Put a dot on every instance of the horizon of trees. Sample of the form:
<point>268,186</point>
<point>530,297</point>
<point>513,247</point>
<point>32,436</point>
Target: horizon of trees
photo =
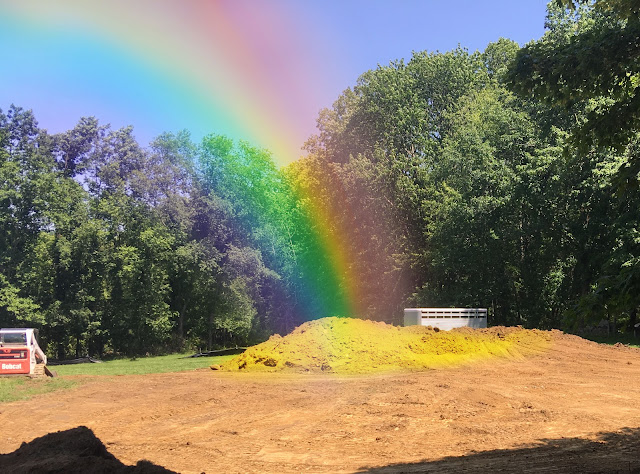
<point>505,179</point>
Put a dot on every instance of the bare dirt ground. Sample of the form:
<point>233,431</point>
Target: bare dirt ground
<point>573,408</point>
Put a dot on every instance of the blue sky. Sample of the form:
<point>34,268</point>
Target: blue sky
<point>343,39</point>
<point>372,32</point>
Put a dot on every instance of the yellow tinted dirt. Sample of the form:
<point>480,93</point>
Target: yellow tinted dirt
<point>354,346</point>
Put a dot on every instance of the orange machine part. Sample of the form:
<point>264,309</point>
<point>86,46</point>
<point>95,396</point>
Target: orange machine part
<point>15,360</point>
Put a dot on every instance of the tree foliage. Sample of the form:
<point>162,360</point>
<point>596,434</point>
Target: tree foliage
<point>590,59</point>
<point>588,63</point>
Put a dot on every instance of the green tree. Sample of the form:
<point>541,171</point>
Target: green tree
<point>25,183</point>
<point>588,58</point>
<point>587,63</point>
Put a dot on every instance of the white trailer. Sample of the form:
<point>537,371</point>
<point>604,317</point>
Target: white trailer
<point>446,318</point>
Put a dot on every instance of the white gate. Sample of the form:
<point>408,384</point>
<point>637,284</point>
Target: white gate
<point>446,318</point>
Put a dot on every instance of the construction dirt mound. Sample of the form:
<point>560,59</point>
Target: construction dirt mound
<point>355,346</point>
<point>76,450</point>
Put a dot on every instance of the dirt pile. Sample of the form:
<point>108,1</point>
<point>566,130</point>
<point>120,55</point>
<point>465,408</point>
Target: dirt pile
<point>76,450</point>
<point>354,346</point>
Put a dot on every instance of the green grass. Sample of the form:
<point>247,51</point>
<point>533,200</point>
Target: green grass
<point>23,388</point>
<point>143,365</point>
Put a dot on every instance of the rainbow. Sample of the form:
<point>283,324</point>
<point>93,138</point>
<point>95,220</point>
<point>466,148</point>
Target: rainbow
<point>242,69</point>
<point>235,68</point>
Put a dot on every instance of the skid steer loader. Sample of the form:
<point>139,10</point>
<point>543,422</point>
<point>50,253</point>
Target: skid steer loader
<point>20,353</point>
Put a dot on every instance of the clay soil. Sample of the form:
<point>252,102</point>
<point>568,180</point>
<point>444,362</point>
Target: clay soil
<point>570,408</point>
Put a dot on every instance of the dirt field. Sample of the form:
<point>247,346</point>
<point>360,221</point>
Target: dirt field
<point>573,408</point>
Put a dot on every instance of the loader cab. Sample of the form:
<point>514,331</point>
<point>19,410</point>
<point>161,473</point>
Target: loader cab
<point>11,338</point>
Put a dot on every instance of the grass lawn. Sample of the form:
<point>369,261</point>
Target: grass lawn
<point>23,388</point>
<point>143,365</point>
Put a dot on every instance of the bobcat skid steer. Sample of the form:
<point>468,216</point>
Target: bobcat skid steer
<point>20,353</point>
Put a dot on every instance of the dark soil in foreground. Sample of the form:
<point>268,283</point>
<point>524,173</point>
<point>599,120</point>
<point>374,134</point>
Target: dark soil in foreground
<point>72,451</point>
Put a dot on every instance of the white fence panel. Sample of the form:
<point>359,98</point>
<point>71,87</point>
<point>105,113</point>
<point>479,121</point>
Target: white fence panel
<point>446,318</point>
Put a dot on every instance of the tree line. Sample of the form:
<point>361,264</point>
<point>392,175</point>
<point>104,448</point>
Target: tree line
<point>506,179</point>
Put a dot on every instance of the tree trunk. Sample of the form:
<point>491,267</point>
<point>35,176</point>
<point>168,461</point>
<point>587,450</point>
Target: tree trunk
<point>181,323</point>
<point>210,332</point>
<point>61,351</point>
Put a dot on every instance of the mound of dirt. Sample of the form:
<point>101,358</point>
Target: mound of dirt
<point>355,346</point>
<point>76,450</point>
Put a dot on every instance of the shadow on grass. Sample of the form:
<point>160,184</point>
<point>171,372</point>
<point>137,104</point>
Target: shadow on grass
<point>618,338</point>
<point>76,450</point>
<point>607,453</point>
